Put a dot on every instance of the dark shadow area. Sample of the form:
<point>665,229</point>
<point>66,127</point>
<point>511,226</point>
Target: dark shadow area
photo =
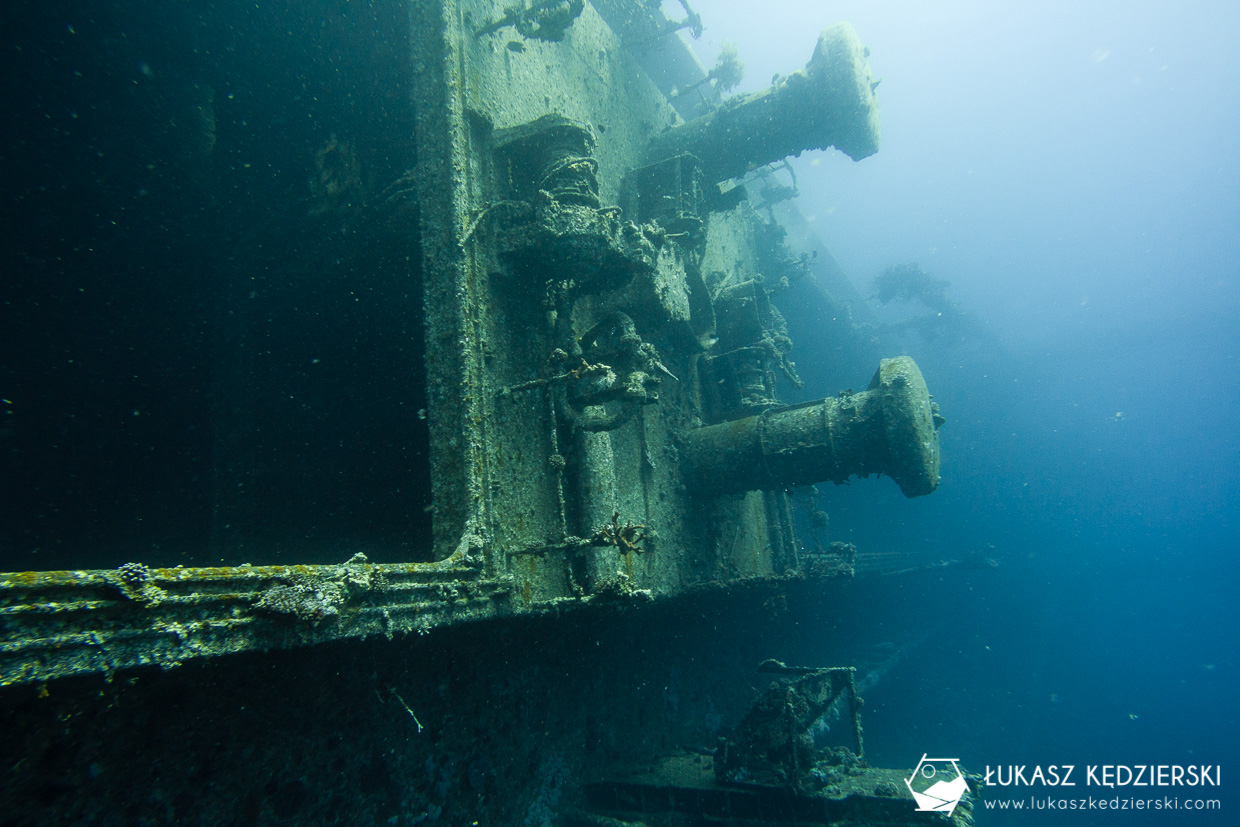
<point>499,723</point>
<point>211,319</point>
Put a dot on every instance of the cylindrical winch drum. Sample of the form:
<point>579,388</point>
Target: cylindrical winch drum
<point>890,428</point>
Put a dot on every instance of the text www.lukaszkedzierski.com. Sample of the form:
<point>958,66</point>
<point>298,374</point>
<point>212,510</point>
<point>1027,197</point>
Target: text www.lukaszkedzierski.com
<point>1091,803</point>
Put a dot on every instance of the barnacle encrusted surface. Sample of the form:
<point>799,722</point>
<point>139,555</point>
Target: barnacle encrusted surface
<point>134,581</point>
<point>321,598</point>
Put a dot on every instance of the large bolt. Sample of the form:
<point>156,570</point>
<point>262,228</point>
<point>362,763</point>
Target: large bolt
<point>890,428</point>
<point>830,102</point>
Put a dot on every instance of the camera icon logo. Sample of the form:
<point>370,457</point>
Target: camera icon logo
<point>937,784</point>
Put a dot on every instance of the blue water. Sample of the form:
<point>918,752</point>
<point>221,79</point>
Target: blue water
<point>1073,171</point>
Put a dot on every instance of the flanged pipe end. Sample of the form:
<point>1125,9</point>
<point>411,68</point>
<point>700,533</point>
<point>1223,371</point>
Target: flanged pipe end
<point>845,86</point>
<point>911,425</point>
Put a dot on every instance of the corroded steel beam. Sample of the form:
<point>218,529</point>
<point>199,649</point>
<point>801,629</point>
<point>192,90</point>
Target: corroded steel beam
<point>59,623</point>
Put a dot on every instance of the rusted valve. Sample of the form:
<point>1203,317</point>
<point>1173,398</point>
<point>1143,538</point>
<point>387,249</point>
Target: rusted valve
<point>830,102</point>
<point>890,428</point>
